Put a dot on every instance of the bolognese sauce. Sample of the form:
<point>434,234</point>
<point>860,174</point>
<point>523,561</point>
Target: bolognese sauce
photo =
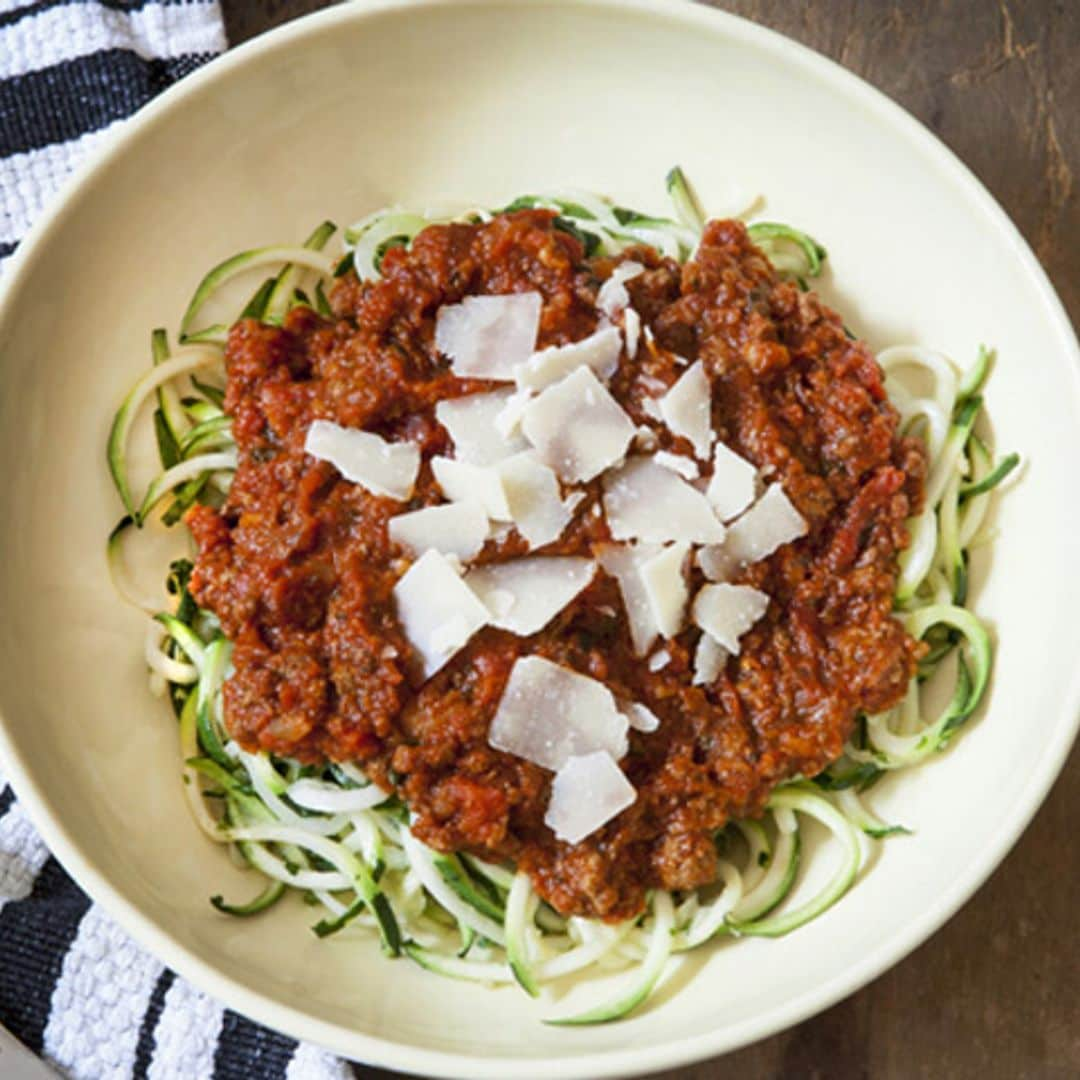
<point>300,569</point>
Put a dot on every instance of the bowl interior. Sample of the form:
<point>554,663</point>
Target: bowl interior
<point>376,104</point>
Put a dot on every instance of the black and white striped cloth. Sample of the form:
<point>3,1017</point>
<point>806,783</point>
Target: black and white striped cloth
<point>73,987</point>
<point>72,69</point>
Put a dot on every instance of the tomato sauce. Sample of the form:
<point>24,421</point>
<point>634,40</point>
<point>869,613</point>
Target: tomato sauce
<point>299,568</point>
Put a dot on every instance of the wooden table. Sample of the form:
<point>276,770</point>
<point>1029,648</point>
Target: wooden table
<point>996,993</point>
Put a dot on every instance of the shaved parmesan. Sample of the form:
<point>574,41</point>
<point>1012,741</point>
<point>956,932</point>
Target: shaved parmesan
<point>631,331</point>
<point>686,467</point>
<point>508,419</point>
<point>641,717</point>
<point>665,587</point>
<point>645,501</point>
<point>458,529</point>
<point>623,562</point>
<point>709,659</point>
<point>599,352</point>
<point>588,791</point>
<point>524,595</point>
<point>659,660</point>
<point>687,408</point>
<point>574,500</point>
<point>486,337</point>
<point>613,295</point>
<point>651,384</point>
<point>532,496</point>
<point>548,714</point>
<point>726,612</point>
<point>731,487</point>
<point>471,422</point>
<point>383,468</point>
<point>499,602</point>
<point>645,439</point>
<point>714,563</point>
<point>650,406</point>
<point>437,610</point>
<point>770,523</point>
<point>613,299</point>
<point>577,427</point>
<point>518,490</point>
<point>448,637</point>
<point>462,482</point>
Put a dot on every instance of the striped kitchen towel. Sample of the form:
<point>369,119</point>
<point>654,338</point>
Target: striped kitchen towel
<point>73,987</point>
<point>72,69</point>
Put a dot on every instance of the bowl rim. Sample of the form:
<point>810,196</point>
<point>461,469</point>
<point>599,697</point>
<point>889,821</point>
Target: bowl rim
<point>378,1051</point>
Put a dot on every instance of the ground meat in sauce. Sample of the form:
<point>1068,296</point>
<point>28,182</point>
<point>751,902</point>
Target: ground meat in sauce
<point>299,569</point>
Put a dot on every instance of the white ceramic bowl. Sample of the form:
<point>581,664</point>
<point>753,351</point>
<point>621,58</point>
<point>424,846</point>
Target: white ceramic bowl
<point>368,104</point>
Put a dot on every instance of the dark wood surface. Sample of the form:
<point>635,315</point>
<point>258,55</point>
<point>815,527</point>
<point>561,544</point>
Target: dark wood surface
<point>996,993</point>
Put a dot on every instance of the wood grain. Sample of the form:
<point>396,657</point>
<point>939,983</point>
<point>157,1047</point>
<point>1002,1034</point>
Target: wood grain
<point>996,993</point>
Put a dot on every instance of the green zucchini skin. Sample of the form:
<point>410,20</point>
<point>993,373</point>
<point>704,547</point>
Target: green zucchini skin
<point>687,207</point>
<point>644,979</point>
<point>266,899</point>
<point>767,235</point>
<point>461,881</point>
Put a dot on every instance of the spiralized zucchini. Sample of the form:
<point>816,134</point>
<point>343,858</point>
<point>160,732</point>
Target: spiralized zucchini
<point>327,833</point>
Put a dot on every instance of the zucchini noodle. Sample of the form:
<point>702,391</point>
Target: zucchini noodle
<point>330,834</point>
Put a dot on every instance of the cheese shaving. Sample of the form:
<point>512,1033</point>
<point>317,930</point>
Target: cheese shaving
<point>487,337</point>
<point>646,501</point>
<point>508,419</point>
<point>709,659</point>
<point>685,466</point>
<point>631,331</point>
<point>472,424</point>
<point>687,408</point>
<point>613,295</point>
<point>462,482</point>
<point>725,612</point>
<point>769,524</point>
<point>623,562</point>
<point>437,610</point>
<point>659,660</point>
<point>532,496</point>
<point>524,595</point>
<point>383,468</point>
<point>731,486</point>
<point>599,352</point>
<point>549,714</point>
<point>641,717</point>
<point>458,529</point>
<point>577,427</point>
<point>588,791</point>
<point>665,587</point>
